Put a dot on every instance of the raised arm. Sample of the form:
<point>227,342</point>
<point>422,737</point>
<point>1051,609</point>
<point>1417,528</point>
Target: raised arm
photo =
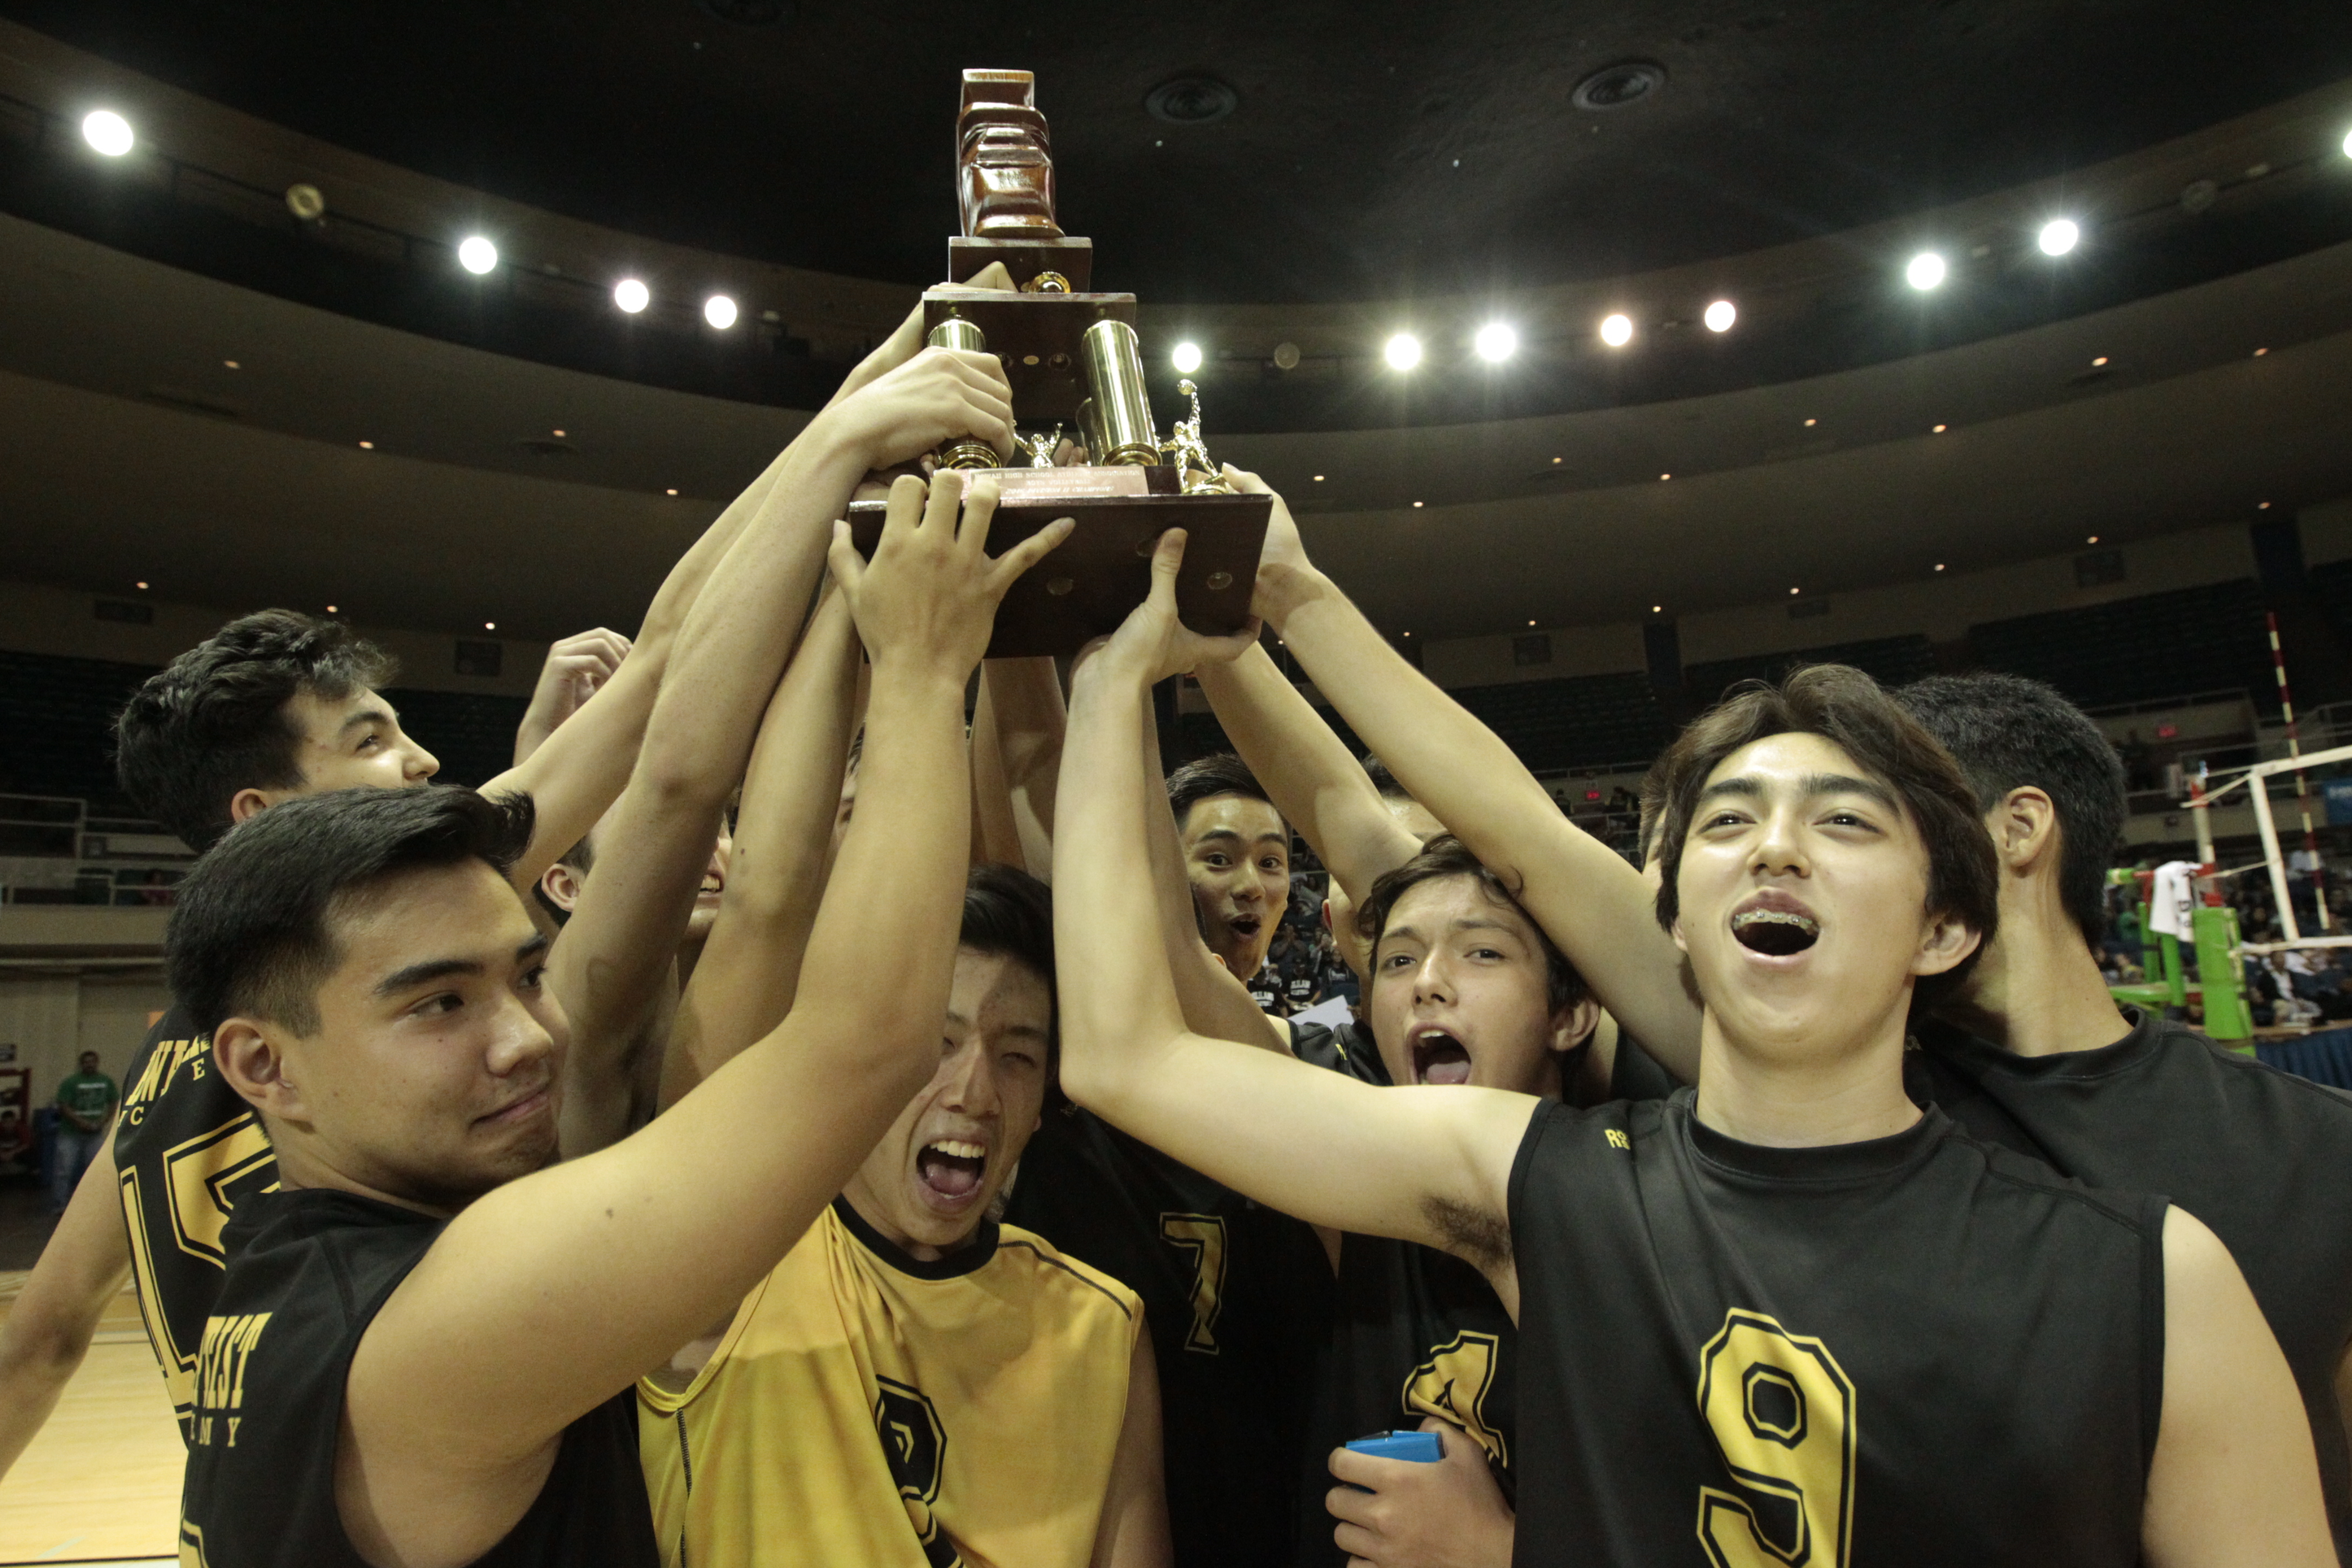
<point>575,666</point>
<point>1026,707</point>
<point>551,1294</point>
<point>1431,1165</point>
<point>751,963</point>
<point>1317,783</point>
<point>1592,903</point>
<point>82,1267</point>
<point>2233,1483</point>
<point>616,953</point>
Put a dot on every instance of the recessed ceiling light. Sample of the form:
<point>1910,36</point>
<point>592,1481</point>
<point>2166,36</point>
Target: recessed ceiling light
<point>367,445</point>
<point>1408,634</point>
<point>1657,609</point>
<point>489,626</point>
<point>1416,504</point>
<point>331,609</point>
<point>2100,360</point>
<point>1555,460</point>
<point>1531,622</point>
<point>2260,352</point>
<point>719,312</point>
<point>2059,236</point>
<point>107,132</point>
<point>142,587</point>
<point>1617,330</point>
<point>1186,358</point>
<point>1665,477</point>
<point>477,255</point>
<point>670,492</point>
<point>630,296</point>
<point>2262,506</point>
<point>1810,423</point>
<point>559,434</point>
<point>1496,341</point>
<point>1402,351</point>
<point>2093,540</point>
<point>1319,478</point>
<point>2348,143</point>
<point>1720,315</point>
<point>1939,429</point>
<point>1926,271</point>
<point>232,364</point>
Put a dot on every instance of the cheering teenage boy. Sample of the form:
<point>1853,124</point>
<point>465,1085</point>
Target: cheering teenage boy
<point>1790,1313</point>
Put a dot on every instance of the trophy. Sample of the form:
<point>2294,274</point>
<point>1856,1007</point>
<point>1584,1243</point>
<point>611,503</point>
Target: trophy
<point>1076,366</point>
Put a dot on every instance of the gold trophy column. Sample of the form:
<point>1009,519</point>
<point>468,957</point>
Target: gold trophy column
<point>964,452</point>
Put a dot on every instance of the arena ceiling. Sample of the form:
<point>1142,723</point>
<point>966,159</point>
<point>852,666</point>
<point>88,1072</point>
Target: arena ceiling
<point>1368,148</point>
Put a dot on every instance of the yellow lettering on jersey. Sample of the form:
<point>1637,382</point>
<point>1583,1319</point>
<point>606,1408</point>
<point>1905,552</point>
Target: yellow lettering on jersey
<point>1452,1384</point>
<point>192,1546</point>
<point>220,1371</point>
<point>179,1363</point>
<point>200,1172</point>
<point>1201,1238</point>
<point>1616,1140</point>
<point>1781,1410</point>
<point>152,1075</point>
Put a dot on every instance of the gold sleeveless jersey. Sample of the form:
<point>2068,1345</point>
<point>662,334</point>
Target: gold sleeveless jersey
<point>865,1408</point>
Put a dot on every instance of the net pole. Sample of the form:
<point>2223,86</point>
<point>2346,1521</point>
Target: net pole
<point>2302,784</point>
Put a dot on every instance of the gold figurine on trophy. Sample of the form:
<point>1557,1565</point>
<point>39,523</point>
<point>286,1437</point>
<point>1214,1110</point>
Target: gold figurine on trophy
<point>1073,360</point>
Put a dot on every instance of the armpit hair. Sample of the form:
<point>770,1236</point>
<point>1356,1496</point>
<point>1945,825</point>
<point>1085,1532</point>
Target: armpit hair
<point>1475,1236</point>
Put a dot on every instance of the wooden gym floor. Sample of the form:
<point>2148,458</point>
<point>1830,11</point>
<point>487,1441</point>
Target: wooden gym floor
<point>101,1485</point>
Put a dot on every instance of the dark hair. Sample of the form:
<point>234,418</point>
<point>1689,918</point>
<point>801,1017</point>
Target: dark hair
<point>1219,773</point>
<point>1446,856</point>
<point>252,930</point>
<point>213,721</point>
<point>2006,732</point>
<point>1009,912</point>
<point>1382,780</point>
<point>1842,705</point>
<point>1654,811</point>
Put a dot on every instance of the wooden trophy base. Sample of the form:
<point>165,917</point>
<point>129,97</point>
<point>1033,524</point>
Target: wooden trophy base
<point>1087,586</point>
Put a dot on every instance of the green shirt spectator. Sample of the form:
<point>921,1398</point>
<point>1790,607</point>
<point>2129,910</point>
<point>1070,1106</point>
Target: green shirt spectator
<point>87,1096</point>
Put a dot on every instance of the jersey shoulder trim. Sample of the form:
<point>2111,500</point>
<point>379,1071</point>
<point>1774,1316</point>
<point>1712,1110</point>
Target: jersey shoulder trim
<point>1012,1238</point>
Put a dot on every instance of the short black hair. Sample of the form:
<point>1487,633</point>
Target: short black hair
<point>252,933</point>
<point>1221,773</point>
<point>1382,780</point>
<point>2007,731</point>
<point>213,721</point>
<point>1010,913</point>
<point>1847,707</point>
<point>1446,856</point>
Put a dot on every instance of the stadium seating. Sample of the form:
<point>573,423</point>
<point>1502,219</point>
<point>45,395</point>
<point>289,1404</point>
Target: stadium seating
<point>2156,644</point>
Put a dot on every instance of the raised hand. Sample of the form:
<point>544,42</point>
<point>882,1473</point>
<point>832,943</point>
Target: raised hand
<point>938,393</point>
<point>907,340</point>
<point>1282,560</point>
<point>1153,642</point>
<point>576,667</point>
<point>930,593</point>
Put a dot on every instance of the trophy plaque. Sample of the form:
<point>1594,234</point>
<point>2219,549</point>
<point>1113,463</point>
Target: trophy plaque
<point>1075,367</point>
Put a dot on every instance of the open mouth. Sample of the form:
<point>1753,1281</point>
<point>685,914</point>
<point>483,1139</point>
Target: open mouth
<point>1776,930</point>
<point>1245,926</point>
<point>950,1170</point>
<point>1438,1057</point>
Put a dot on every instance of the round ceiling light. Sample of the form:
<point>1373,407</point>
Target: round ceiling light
<point>1402,351</point>
<point>1926,271</point>
<point>1192,100</point>
<point>477,255</point>
<point>107,132</point>
<point>631,296</point>
<point>1496,341</point>
<point>719,312</point>
<point>1720,316</point>
<point>306,202</point>
<point>2059,236</point>
<point>1616,87</point>
<point>1186,358</point>
<point>1617,330</point>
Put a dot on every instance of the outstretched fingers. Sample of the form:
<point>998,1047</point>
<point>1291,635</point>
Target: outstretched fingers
<point>1028,552</point>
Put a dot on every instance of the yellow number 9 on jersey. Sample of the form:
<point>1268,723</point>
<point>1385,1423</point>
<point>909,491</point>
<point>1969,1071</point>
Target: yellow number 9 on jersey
<point>1781,1410</point>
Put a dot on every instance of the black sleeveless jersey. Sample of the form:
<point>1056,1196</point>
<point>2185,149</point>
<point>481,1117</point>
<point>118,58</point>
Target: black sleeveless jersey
<point>1234,1295</point>
<point>2260,1155</point>
<point>1417,1332</point>
<point>308,1272</point>
<point>187,1149</point>
<point>1909,1353</point>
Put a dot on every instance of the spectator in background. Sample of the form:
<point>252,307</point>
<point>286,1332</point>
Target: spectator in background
<point>85,1104</point>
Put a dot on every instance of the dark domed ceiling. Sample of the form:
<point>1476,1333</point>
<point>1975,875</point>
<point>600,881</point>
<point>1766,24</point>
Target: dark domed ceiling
<point>1314,151</point>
